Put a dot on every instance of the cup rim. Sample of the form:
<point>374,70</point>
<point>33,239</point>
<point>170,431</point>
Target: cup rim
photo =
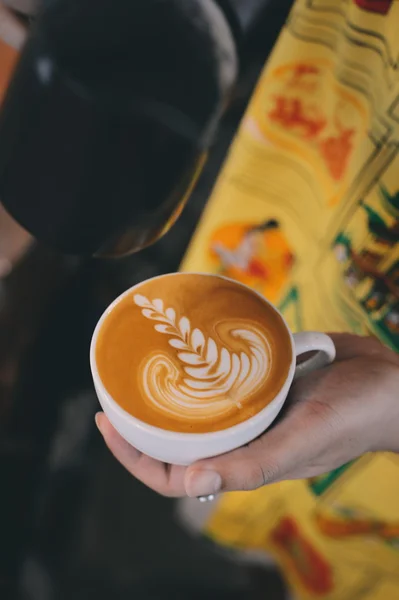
<point>166,434</point>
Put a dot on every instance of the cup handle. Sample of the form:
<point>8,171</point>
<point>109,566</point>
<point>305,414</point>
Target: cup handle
<point>313,342</point>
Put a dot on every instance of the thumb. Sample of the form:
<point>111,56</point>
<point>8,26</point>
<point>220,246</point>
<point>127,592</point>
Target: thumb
<point>275,456</point>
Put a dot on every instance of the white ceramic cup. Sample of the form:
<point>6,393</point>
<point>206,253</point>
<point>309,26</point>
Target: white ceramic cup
<point>187,448</point>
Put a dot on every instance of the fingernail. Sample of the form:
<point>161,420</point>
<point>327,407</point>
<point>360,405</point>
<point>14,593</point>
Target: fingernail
<point>97,419</point>
<point>203,483</point>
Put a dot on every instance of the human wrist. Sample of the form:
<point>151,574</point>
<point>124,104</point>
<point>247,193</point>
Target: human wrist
<point>388,434</point>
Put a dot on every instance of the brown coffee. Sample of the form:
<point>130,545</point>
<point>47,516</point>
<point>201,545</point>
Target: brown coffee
<point>193,353</point>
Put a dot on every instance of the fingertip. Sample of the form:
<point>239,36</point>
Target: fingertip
<point>202,482</point>
<point>119,447</point>
<point>104,425</point>
<point>106,428</point>
<point>99,420</point>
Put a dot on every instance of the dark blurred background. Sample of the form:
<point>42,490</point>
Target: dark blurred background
<point>73,524</point>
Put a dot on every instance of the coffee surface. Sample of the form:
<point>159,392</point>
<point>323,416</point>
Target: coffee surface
<point>193,353</point>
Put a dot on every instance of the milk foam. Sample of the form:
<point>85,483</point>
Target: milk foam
<point>201,378</point>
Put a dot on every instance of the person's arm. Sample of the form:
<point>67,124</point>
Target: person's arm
<point>332,417</point>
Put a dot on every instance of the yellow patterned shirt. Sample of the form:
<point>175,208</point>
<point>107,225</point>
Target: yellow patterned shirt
<point>306,210</point>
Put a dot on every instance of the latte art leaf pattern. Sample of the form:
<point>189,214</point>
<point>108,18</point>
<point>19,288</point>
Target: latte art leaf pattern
<point>205,378</point>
